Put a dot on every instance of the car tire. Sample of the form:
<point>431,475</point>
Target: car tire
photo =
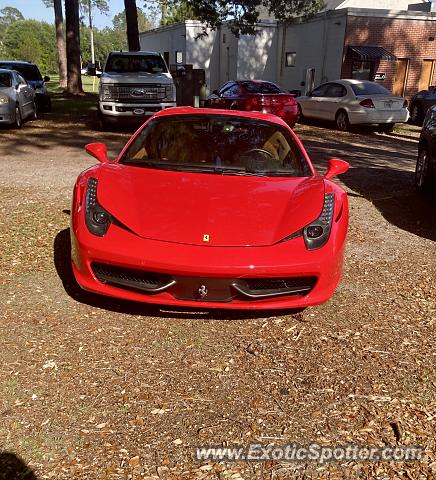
<point>102,124</point>
<point>386,127</point>
<point>301,117</point>
<point>18,120</point>
<point>34,115</point>
<point>416,114</point>
<point>422,170</point>
<point>342,121</point>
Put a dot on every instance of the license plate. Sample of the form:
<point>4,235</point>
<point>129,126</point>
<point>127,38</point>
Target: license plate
<point>139,111</point>
<point>388,104</point>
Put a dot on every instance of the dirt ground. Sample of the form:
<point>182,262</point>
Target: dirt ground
<point>96,388</point>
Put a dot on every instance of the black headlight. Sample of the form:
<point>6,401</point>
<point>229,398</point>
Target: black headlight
<point>317,233</point>
<point>97,219</point>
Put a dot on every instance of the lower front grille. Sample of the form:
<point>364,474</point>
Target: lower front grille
<point>271,287</point>
<point>150,282</point>
<point>200,288</point>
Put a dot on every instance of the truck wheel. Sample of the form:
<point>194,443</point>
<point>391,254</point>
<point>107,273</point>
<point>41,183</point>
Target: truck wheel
<point>101,123</point>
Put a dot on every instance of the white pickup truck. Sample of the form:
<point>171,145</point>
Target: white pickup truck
<point>134,85</point>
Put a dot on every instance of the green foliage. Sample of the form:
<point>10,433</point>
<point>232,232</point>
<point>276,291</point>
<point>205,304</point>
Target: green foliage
<point>144,24</point>
<point>8,16</point>
<point>175,12</point>
<point>101,5</point>
<point>241,15</point>
<point>105,40</point>
<point>33,41</point>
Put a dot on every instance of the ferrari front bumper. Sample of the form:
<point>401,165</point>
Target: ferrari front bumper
<point>207,276</point>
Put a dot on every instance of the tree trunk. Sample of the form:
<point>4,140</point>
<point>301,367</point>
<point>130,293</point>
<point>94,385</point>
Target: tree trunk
<point>132,25</point>
<point>74,79</point>
<point>60,43</point>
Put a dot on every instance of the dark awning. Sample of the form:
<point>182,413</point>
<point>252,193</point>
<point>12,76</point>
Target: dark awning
<point>364,52</point>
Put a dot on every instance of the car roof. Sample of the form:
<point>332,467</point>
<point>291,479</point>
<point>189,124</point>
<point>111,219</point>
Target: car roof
<point>253,81</point>
<point>349,81</point>
<point>141,52</point>
<point>16,62</point>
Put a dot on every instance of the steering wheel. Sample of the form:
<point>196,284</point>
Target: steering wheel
<point>261,151</point>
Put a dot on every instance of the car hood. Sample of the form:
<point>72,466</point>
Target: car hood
<point>233,210</point>
<point>137,77</point>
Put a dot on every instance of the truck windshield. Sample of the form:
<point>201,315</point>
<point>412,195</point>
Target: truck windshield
<point>217,144</point>
<point>120,63</point>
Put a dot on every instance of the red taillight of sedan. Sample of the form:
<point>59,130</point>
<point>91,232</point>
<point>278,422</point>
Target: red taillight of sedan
<point>367,103</point>
<point>279,105</point>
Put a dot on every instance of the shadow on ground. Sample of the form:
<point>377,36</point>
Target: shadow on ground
<point>62,261</point>
<point>399,203</point>
<point>14,468</point>
<point>382,171</point>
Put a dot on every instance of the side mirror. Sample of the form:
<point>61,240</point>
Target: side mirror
<point>336,167</point>
<point>98,151</point>
<point>98,75</point>
<point>215,92</point>
<point>46,78</point>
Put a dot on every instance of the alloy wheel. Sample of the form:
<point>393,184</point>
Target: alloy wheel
<point>18,121</point>
<point>342,121</point>
<point>415,114</point>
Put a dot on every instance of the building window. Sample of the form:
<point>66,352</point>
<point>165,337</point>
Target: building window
<point>179,57</point>
<point>362,70</point>
<point>224,38</point>
<point>290,59</point>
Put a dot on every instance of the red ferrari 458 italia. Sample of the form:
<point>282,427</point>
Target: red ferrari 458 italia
<point>210,208</point>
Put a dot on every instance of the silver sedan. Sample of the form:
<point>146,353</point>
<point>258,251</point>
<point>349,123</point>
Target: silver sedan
<point>352,102</point>
<point>17,99</point>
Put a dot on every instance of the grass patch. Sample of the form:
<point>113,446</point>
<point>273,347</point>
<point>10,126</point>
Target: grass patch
<point>74,106</point>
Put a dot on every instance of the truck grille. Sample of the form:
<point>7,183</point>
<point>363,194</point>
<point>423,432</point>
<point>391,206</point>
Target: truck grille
<point>136,93</point>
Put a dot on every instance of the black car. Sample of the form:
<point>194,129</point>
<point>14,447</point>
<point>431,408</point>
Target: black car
<point>34,78</point>
<point>425,172</point>
<point>420,103</point>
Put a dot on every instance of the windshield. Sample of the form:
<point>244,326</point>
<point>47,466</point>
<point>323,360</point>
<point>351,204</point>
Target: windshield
<point>261,87</point>
<point>369,88</point>
<point>5,80</point>
<point>220,144</point>
<point>120,63</point>
<point>29,72</point>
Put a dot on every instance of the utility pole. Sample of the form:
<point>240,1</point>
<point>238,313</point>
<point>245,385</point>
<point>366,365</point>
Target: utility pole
<point>91,31</point>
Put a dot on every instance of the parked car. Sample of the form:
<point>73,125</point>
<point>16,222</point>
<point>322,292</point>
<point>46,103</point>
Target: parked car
<point>210,208</point>
<point>255,95</point>
<point>33,76</point>
<point>354,102</point>
<point>425,171</point>
<point>91,69</point>
<point>420,103</point>
<point>17,98</point>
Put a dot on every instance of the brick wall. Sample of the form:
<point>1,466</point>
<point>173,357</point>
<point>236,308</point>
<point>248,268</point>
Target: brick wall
<point>405,38</point>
